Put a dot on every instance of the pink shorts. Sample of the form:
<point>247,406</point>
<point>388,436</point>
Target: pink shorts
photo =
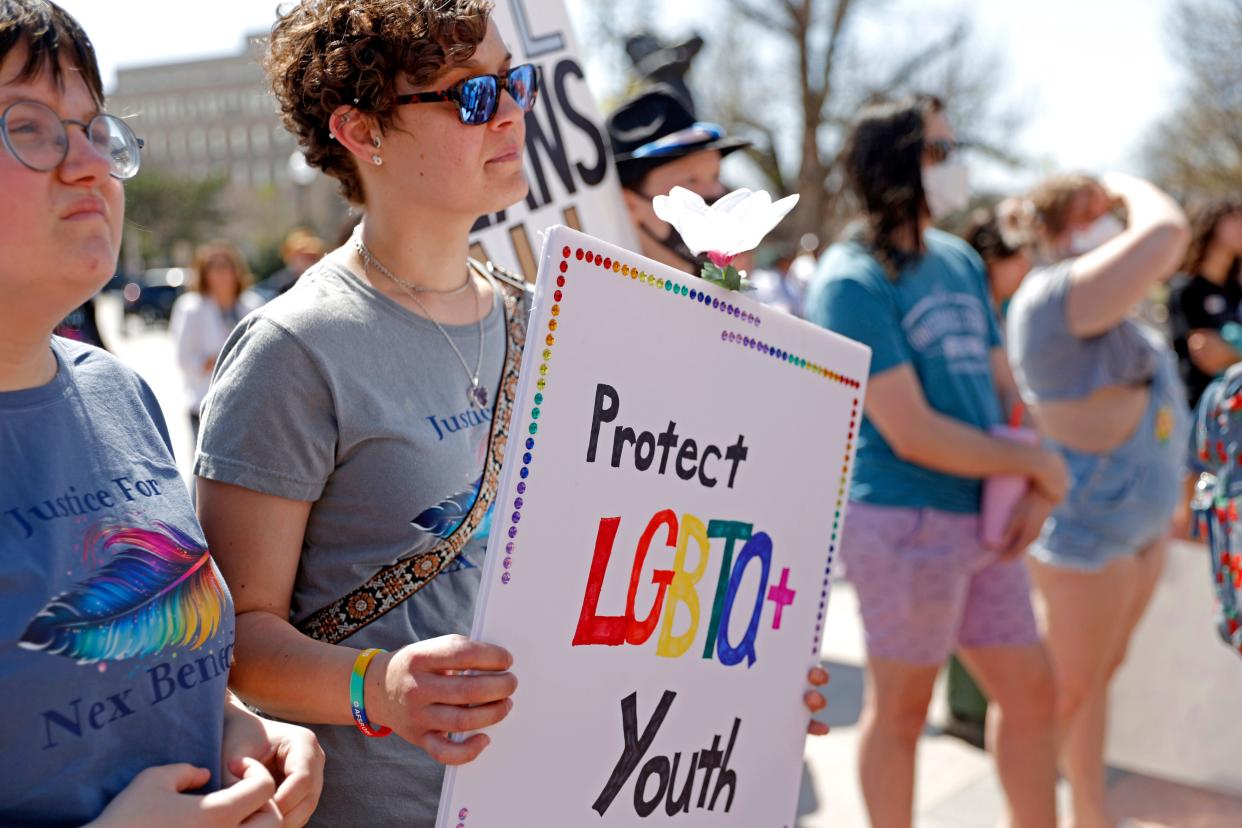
<point>926,585</point>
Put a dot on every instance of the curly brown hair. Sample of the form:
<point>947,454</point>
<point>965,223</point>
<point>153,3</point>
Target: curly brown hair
<point>1203,220</point>
<point>323,54</point>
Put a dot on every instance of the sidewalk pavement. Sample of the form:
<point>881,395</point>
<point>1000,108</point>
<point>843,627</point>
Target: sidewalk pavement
<point>956,784</point>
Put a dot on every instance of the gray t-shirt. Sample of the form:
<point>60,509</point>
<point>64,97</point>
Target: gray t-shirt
<point>1050,363</point>
<point>116,629</point>
<point>335,394</point>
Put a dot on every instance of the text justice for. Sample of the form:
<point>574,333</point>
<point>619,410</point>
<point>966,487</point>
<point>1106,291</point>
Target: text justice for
<point>690,461</point>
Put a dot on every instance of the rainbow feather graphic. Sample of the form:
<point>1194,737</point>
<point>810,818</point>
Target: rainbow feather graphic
<point>159,590</point>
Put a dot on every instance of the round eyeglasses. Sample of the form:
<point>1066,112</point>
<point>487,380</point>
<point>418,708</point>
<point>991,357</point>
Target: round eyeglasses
<point>39,139</point>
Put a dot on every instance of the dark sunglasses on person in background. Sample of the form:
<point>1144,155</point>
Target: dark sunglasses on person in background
<point>942,149</point>
<point>39,138</point>
<point>477,98</point>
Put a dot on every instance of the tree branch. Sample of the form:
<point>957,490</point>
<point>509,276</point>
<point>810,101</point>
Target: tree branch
<point>760,18</point>
<point>839,14</point>
<point>956,36</point>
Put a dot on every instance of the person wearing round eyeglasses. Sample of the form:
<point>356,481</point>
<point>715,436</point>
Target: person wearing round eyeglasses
<point>657,145</point>
<point>116,628</point>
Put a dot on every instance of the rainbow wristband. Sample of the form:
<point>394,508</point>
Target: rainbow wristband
<point>357,699</point>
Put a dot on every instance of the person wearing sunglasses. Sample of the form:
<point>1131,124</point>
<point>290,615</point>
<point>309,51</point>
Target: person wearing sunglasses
<point>346,462</point>
<point>912,544</point>
<point>349,418</point>
<point>116,628</point>
<point>657,145</point>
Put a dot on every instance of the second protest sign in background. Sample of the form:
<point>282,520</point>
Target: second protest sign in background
<point>668,518</point>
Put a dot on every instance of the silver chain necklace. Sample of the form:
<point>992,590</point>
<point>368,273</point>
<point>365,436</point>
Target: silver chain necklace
<point>476,394</point>
<point>409,286</point>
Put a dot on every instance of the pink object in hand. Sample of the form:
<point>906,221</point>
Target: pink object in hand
<point>1001,492</point>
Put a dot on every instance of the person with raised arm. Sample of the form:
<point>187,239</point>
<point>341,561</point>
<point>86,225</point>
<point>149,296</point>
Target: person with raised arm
<point>1104,389</point>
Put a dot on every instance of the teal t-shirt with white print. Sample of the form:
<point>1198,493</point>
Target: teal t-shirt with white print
<point>936,317</point>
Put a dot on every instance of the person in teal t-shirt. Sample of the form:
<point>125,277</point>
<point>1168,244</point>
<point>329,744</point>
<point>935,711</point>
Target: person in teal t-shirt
<point>911,546</point>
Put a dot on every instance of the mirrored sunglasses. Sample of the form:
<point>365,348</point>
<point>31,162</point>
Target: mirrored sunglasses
<point>478,98</point>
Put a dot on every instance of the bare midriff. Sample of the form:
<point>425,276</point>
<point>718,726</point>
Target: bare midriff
<point>1095,424</point>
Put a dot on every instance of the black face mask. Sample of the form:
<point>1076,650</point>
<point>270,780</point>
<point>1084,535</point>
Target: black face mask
<point>672,240</point>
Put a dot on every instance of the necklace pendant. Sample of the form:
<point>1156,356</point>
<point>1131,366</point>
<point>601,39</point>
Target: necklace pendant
<point>477,395</point>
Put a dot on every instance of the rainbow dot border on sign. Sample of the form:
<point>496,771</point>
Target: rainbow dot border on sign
<point>462,815</point>
<point>673,288</point>
<point>528,446</point>
<point>838,514</point>
<point>764,348</point>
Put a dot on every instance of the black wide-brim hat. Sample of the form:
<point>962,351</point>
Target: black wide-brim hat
<point>655,127</point>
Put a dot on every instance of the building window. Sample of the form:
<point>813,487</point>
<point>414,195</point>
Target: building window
<point>219,142</point>
<point>258,140</point>
<point>198,143</point>
<point>157,145</point>
<point>237,141</point>
<point>261,173</point>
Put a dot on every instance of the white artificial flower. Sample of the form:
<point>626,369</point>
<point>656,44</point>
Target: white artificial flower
<point>734,224</point>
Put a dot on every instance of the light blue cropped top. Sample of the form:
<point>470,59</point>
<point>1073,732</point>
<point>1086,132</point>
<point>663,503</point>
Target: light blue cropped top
<point>1050,363</point>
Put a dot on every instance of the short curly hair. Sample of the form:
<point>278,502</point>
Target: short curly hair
<point>323,54</point>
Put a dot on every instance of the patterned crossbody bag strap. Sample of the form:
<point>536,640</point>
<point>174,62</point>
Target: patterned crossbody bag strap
<point>395,584</point>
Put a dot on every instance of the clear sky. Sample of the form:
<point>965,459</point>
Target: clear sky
<point>1093,73</point>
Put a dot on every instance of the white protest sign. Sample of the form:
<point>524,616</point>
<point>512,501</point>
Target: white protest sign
<point>568,166</point>
<point>667,518</point>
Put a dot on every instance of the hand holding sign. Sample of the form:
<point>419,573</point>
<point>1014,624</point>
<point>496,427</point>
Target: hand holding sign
<point>422,692</point>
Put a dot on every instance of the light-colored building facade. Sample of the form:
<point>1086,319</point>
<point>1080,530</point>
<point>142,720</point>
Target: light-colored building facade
<point>216,117</point>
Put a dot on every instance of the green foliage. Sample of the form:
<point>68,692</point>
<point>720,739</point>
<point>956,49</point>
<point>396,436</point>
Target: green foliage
<point>266,259</point>
<point>728,278</point>
<point>166,209</point>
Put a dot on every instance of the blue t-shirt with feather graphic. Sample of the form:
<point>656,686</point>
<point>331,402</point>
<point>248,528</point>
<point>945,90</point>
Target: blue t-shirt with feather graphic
<point>116,629</point>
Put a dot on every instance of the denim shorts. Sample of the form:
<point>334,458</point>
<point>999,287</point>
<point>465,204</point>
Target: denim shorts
<point>1120,502</point>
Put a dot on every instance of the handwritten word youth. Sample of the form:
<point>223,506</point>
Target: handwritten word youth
<point>710,760</point>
